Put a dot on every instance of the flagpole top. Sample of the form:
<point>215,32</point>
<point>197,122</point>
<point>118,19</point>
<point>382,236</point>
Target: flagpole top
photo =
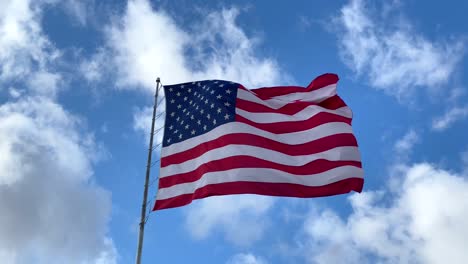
<point>158,80</point>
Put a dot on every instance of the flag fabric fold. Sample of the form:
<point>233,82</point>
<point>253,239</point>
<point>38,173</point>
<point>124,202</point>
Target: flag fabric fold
<point>221,138</point>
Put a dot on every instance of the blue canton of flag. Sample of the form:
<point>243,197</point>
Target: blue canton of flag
<point>198,107</point>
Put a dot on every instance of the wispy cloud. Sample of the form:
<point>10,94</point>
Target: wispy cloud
<point>142,118</point>
<point>404,145</point>
<point>25,52</point>
<point>451,116</point>
<point>243,222</point>
<point>94,69</point>
<point>391,53</point>
<point>145,43</point>
<point>79,10</point>
<point>246,258</point>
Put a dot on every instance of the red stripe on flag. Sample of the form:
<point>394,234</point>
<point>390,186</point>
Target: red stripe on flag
<point>332,103</point>
<point>322,81</point>
<point>262,188</point>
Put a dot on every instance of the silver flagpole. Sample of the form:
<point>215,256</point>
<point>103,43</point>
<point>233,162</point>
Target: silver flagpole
<point>148,169</point>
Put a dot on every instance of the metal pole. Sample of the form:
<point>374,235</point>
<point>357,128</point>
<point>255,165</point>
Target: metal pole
<point>148,168</point>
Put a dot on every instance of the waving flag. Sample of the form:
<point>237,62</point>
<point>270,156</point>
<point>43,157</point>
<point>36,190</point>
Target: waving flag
<point>221,138</point>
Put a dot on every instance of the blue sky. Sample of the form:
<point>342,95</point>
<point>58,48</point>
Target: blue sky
<point>76,86</point>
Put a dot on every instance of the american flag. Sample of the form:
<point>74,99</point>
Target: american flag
<point>221,138</point>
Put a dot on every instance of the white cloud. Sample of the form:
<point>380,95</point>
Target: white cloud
<point>423,222</point>
<point>406,143</point>
<point>305,22</point>
<point>93,68</point>
<point>330,240</point>
<point>456,93</point>
<point>14,92</point>
<point>45,83</point>
<point>232,55</point>
<point>246,258</point>
<point>142,121</point>
<point>52,212</point>
<point>394,56</point>
<point>145,43</point>
<point>142,124</point>
<point>107,256</point>
<point>451,116</point>
<point>241,218</point>
<point>24,50</point>
<point>78,9</point>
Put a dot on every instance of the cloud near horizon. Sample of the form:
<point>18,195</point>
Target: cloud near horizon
<point>421,221</point>
<point>242,223</point>
<point>52,212</point>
